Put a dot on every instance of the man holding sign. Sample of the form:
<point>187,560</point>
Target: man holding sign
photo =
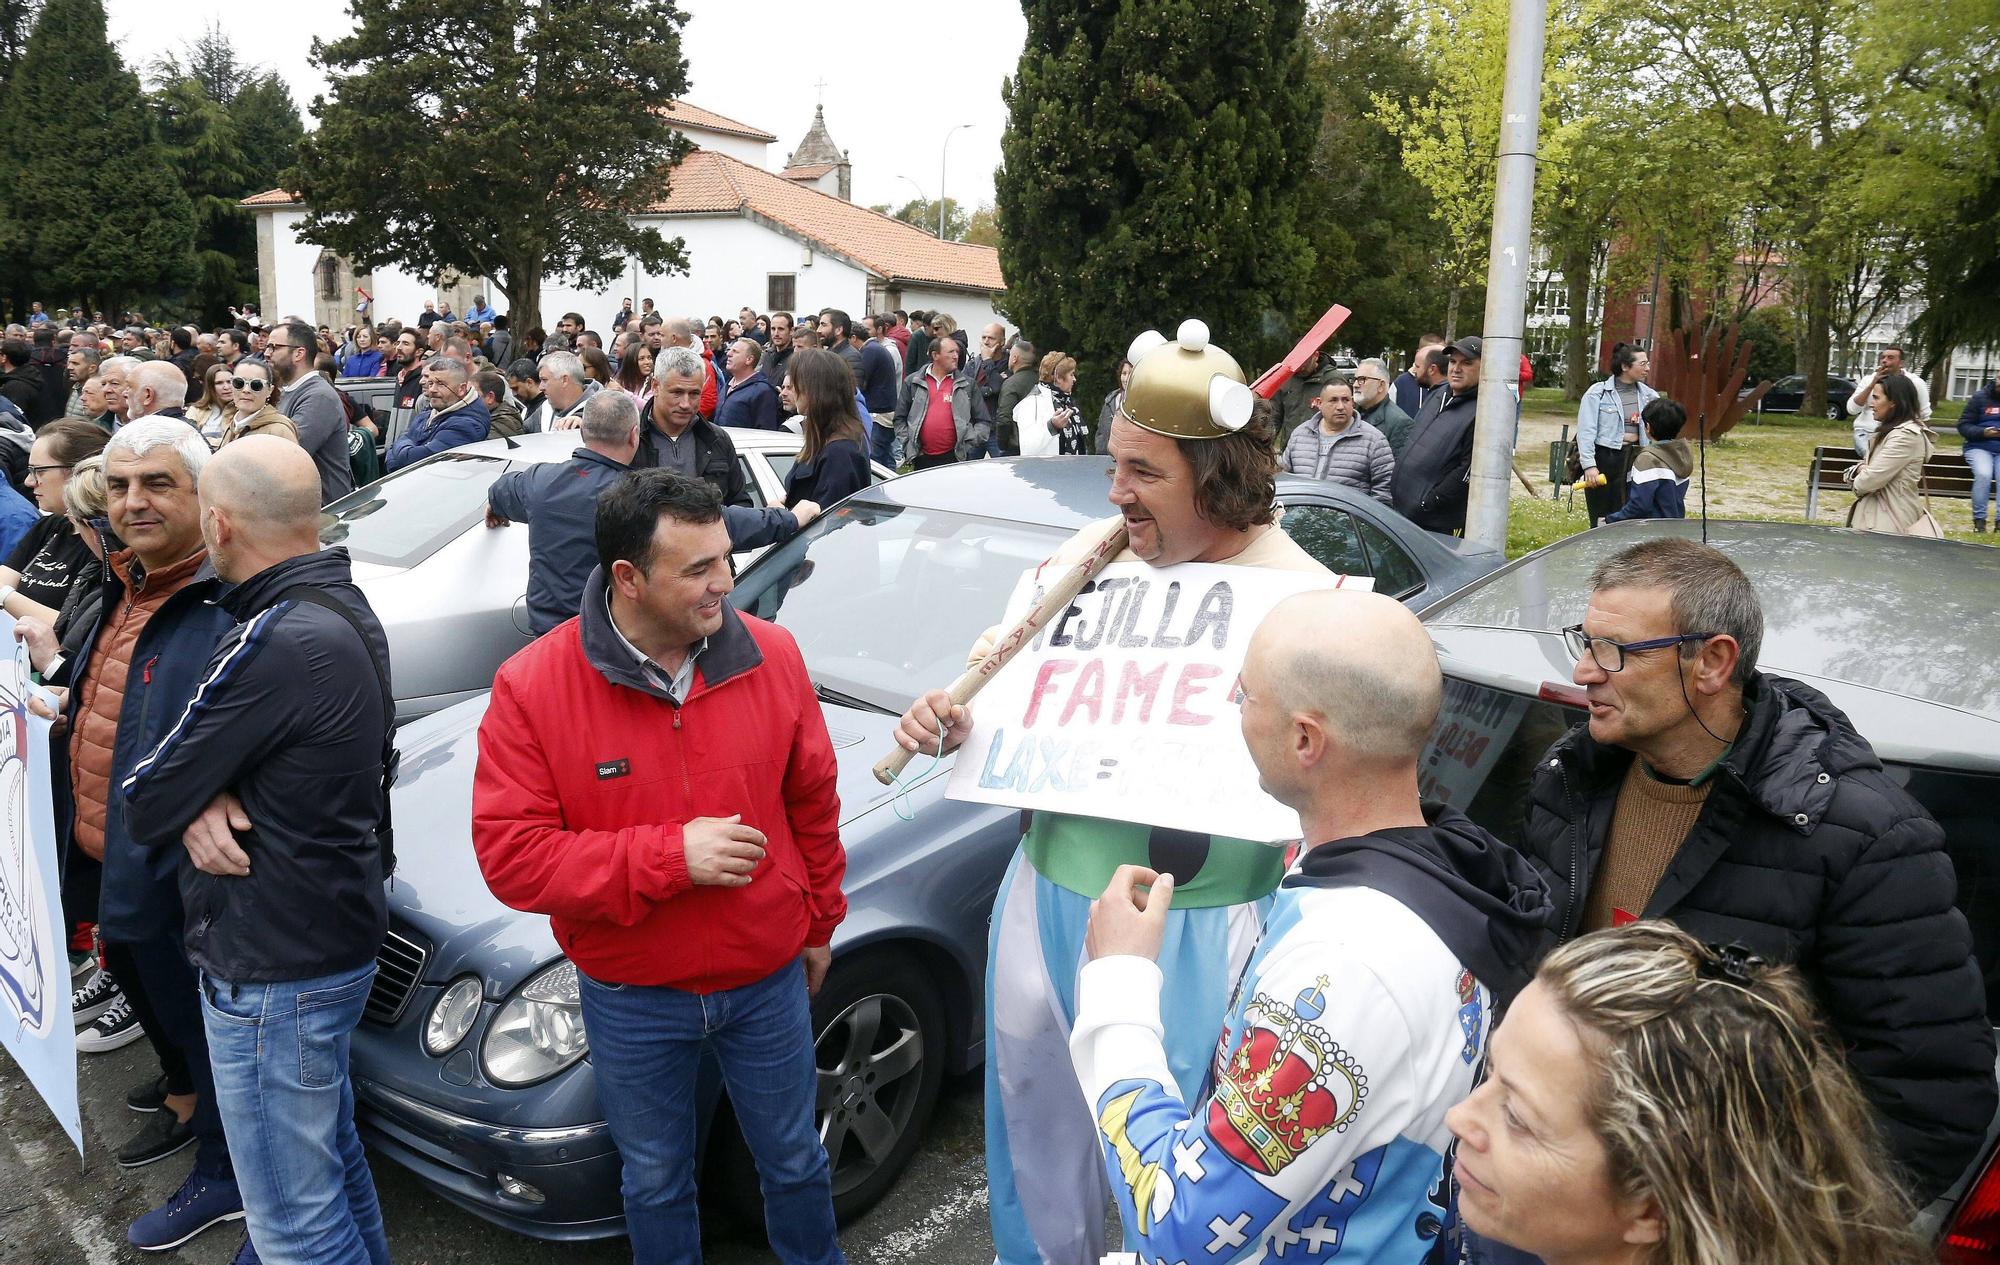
<point>1193,480</point>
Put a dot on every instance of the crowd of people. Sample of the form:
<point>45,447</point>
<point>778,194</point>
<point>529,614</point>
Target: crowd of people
<point>1719,1004</point>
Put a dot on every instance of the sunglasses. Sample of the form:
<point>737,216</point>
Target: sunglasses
<point>249,384</point>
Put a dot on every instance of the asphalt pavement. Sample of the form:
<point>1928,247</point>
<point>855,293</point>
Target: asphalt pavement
<point>57,1211</point>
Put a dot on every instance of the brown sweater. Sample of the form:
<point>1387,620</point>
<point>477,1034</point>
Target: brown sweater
<point>1650,822</point>
<point>101,693</point>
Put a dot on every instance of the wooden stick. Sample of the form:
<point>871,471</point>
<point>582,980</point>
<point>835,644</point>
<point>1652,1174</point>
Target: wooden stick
<point>1052,604</point>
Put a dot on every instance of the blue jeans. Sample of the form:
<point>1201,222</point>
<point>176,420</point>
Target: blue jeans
<point>882,440</point>
<point>279,1052</point>
<point>1982,463</point>
<point>645,1044</point>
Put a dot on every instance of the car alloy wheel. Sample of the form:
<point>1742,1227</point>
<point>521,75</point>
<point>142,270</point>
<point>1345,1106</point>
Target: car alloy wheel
<point>870,1063</point>
<point>881,1054</point>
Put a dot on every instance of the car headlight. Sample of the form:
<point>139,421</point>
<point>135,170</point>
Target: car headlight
<point>452,1015</point>
<point>538,1031</point>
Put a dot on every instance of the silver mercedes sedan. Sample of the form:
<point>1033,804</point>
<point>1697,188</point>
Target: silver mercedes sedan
<point>452,593</point>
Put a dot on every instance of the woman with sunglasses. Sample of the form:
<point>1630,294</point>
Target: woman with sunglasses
<point>211,412</point>
<point>1652,1101</point>
<point>51,559</point>
<point>256,395</point>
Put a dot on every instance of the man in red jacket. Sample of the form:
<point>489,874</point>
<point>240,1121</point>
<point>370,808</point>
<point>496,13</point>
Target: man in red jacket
<point>655,775</point>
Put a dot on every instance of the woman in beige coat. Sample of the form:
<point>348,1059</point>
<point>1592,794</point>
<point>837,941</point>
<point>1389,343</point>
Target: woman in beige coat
<point>256,394</point>
<point>1887,484</point>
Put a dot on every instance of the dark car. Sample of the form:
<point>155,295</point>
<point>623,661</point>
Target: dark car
<point>471,1064</point>
<point>1894,630</point>
<point>1789,393</point>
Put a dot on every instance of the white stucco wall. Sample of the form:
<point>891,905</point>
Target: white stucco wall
<point>730,260</point>
<point>293,262</point>
<point>753,152</point>
<point>972,311</point>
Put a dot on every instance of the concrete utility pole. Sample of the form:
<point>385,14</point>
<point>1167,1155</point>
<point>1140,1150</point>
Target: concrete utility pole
<point>1494,429</point>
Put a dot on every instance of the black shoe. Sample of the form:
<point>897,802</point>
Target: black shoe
<point>149,1096</point>
<point>92,996</point>
<point>162,1135</point>
<point>115,1029</point>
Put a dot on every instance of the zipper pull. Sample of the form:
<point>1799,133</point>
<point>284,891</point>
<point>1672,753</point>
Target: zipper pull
<point>147,673</point>
<point>677,718</point>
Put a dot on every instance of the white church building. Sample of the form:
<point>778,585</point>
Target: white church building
<point>775,238</point>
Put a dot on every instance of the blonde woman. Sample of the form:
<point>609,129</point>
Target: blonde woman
<point>256,394</point>
<point>1653,1101</point>
<point>1888,483</point>
<point>1048,420</point>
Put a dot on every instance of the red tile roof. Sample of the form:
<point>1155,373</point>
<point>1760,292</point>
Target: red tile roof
<point>707,182</point>
<point>711,183</point>
<point>695,116</point>
<point>811,171</point>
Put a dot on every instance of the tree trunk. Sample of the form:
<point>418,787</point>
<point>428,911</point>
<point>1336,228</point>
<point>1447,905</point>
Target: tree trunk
<point>1451,317</point>
<point>524,294</point>
<point>1579,364</point>
<point>1813,344</point>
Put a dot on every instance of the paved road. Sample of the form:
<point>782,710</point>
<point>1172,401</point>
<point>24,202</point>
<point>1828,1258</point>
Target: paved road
<point>54,1213</point>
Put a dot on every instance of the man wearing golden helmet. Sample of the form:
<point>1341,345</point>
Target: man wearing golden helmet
<point>1193,478</point>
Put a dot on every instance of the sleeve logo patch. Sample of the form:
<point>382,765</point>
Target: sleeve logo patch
<point>608,769</point>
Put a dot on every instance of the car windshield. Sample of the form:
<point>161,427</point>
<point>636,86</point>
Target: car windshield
<point>887,601</point>
<point>403,519</point>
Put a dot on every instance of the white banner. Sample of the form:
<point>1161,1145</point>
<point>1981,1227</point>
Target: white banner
<point>1125,706</point>
<point>35,1024</point>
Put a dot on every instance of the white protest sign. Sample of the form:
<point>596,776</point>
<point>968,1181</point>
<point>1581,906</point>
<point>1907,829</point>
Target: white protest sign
<point>1124,706</point>
<point>35,1024</point>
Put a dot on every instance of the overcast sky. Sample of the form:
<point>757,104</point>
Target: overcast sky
<point>894,84</point>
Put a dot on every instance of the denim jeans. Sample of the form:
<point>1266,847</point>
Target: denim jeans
<point>280,1057</point>
<point>882,439</point>
<point>1982,463</point>
<point>645,1044</point>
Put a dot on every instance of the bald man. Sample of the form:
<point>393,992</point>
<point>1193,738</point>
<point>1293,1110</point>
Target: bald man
<point>1362,1017</point>
<point>274,782</point>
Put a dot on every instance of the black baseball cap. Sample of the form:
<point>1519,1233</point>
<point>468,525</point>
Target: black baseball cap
<point>1468,347</point>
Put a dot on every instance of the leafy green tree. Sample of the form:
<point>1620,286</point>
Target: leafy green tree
<point>923,213</point>
<point>97,207</point>
<point>268,129</point>
<point>17,18</point>
<point>202,142</point>
<point>1376,245</point>
<point>1154,154</point>
<point>508,139</point>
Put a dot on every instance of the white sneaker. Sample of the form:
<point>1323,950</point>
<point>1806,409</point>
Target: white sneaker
<point>115,1029</point>
<point>93,997</point>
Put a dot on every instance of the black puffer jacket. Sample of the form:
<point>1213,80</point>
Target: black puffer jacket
<point>1808,852</point>
<point>1429,486</point>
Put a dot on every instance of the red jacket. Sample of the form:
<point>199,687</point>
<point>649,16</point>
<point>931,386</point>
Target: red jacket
<point>710,393</point>
<point>587,772</point>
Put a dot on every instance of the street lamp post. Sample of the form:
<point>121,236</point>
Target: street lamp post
<point>942,153</point>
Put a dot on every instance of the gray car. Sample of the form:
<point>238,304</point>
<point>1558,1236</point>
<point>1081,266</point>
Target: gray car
<point>471,1066</point>
<point>1896,631</point>
<point>451,592</point>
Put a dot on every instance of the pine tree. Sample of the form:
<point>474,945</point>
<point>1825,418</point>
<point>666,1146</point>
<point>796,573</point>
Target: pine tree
<point>268,129</point>
<point>202,142</point>
<point>1153,157</point>
<point>508,139</point>
<point>98,212</point>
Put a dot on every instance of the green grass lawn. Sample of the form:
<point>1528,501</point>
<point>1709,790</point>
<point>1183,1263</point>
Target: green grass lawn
<point>1756,471</point>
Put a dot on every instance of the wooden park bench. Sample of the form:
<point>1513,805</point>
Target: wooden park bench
<point>1947,475</point>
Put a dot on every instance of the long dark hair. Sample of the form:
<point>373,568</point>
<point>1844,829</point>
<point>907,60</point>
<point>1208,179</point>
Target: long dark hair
<point>1903,406</point>
<point>1624,356</point>
<point>823,387</point>
<point>631,376</point>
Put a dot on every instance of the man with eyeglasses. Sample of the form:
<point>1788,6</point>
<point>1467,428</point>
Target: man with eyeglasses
<point>1746,808</point>
<point>312,404</point>
<point>1374,404</point>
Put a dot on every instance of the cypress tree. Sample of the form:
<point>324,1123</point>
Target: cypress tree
<point>98,212</point>
<point>1153,158</point>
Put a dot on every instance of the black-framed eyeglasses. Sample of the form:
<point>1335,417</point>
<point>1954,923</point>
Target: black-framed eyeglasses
<point>1610,655</point>
<point>248,384</point>
<point>38,471</point>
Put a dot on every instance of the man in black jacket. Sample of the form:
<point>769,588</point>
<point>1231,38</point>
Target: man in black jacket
<point>678,438</point>
<point>272,781</point>
<point>20,380</point>
<point>1745,808</point>
<point>1430,487</point>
